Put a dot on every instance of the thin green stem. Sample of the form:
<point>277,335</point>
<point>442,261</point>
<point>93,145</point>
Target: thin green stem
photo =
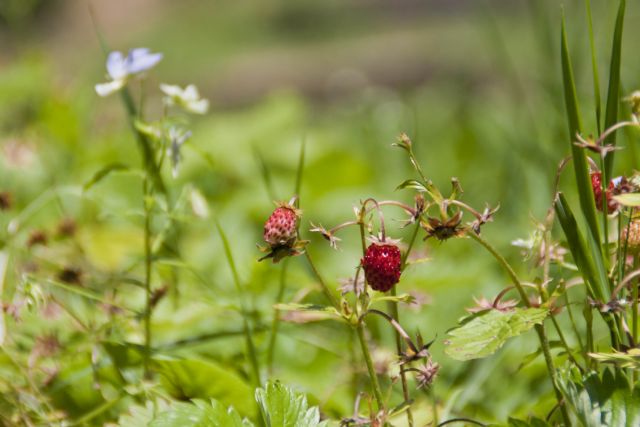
<point>369,362</point>
<point>147,279</point>
<point>251,348</point>
<point>360,332</point>
<point>574,326</point>
<point>276,317</point>
<point>505,264</point>
<point>634,305</point>
<point>325,288</point>
<point>393,308</point>
<point>544,343</point>
<point>605,211</point>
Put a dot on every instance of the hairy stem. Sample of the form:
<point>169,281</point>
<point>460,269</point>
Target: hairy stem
<point>370,368</point>
<point>544,343</point>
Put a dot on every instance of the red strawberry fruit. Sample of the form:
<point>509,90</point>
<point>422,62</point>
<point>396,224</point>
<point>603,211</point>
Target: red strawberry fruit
<point>596,184</point>
<point>281,227</point>
<point>382,265</point>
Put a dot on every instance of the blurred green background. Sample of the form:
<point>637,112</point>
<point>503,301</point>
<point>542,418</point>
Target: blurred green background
<point>476,84</point>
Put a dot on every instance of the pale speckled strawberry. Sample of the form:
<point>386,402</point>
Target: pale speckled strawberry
<point>281,227</point>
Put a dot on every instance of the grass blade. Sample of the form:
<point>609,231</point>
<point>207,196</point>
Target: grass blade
<point>611,114</point>
<point>594,67</point>
<point>597,289</point>
<point>583,180</point>
<point>251,347</point>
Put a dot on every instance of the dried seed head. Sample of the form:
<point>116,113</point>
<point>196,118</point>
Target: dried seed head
<point>37,237</point>
<point>631,236</point>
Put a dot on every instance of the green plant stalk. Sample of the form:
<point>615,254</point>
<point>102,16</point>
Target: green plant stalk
<point>634,306</point>
<point>276,317</point>
<point>575,328</point>
<point>148,264</point>
<point>544,343</point>
<point>369,362</point>
<point>605,214</point>
<point>251,348</point>
<point>375,385</point>
<point>393,308</point>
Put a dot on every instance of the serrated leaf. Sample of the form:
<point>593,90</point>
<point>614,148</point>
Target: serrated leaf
<point>486,333</point>
<point>282,407</point>
<point>200,414</point>
<point>606,401</point>
<point>193,379</point>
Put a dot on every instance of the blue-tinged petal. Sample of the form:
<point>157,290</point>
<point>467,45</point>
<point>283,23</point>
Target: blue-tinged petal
<point>116,66</point>
<point>141,59</point>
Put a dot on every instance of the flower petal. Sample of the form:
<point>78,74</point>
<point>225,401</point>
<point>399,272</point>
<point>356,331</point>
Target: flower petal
<point>106,89</point>
<point>140,59</point>
<point>116,66</point>
<point>198,107</point>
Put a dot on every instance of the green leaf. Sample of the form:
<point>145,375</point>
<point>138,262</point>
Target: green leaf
<point>282,407</point>
<point>309,312</point>
<point>629,359</point>
<point>486,333</point>
<point>414,184</point>
<point>606,401</point>
<point>611,113</point>
<point>138,415</point>
<point>579,251</point>
<point>195,379</point>
<point>583,179</point>
<point>199,414</point>
<point>103,173</point>
<point>594,65</point>
<point>628,199</point>
<point>404,298</point>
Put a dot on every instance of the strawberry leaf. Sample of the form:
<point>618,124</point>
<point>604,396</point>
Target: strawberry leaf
<point>487,332</point>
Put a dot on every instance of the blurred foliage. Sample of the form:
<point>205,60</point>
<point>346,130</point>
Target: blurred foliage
<point>478,88</point>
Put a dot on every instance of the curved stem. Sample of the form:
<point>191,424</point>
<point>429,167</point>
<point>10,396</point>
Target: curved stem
<point>461,420</point>
<point>505,264</point>
<point>369,362</point>
<point>332,298</point>
<point>544,343</point>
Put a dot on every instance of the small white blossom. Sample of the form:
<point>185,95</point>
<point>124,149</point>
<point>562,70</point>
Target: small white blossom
<point>120,68</point>
<point>187,98</point>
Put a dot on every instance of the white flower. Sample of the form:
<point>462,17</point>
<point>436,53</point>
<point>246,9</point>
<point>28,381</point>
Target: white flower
<point>120,68</point>
<point>187,98</point>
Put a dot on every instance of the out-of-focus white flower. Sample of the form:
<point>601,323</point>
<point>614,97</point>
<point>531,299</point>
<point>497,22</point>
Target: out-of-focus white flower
<point>187,98</point>
<point>120,68</point>
<point>177,137</point>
